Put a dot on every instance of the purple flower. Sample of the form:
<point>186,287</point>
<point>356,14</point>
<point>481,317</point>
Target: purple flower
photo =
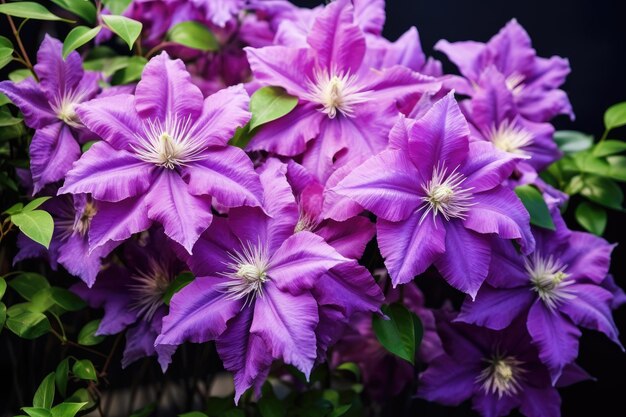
<point>532,80</point>
<point>50,107</point>
<point>220,12</point>
<point>345,109</point>
<point>164,157</point>
<point>555,289</point>
<point>499,371</point>
<point>256,293</point>
<point>437,195</point>
<point>132,296</point>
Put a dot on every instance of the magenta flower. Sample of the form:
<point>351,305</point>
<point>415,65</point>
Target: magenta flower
<point>499,371</point>
<point>345,109</point>
<point>164,157</point>
<point>555,289</point>
<point>255,294</point>
<point>436,196</point>
<point>50,107</point>
<point>534,81</point>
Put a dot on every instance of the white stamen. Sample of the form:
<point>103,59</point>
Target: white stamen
<point>82,222</point>
<point>445,195</point>
<point>247,273</point>
<point>305,223</point>
<point>502,376</point>
<point>169,144</point>
<point>149,288</point>
<point>64,107</point>
<point>549,279</point>
<point>336,92</point>
<point>511,138</point>
<point>515,83</point>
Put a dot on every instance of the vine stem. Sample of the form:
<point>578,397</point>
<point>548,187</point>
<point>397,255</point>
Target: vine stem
<point>76,345</point>
<point>157,48</point>
<point>18,39</point>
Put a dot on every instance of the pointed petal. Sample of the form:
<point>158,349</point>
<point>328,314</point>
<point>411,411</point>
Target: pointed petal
<point>587,257</point>
<point>511,49</point>
<point>493,102</point>
<point>496,308</point>
<point>57,75</point>
<point>447,382</point>
<point>109,174</point>
<point>370,15</point>
<point>211,251</point>
<point>409,247</point>
<point>349,237</point>
<point>282,66</point>
<point>75,257</point>
<point>507,268</point>
<point>540,402</point>
<point>33,104</point>
<point>139,343</point>
<point>465,55</point>
<point>491,405</point>
<point>486,166</point>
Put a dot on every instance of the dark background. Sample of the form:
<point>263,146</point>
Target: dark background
<point>592,34</point>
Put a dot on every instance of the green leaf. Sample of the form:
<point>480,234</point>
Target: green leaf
<point>241,137</point>
<point>81,395</point>
<point>35,203</point>
<point>609,147</point>
<point>8,120</point>
<point>603,191</point>
<point>3,287</point>
<point>116,6</point>
<point>617,167</point>
<point>3,315</point>
<point>41,301</point>
<point>36,411</point>
<point>352,368</point>
<point>82,8</point>
<point>233,412</point>
<point>4,99</point>
<point>6,51</point>
<point>87,335</point>
<point>37,225</point>
<point>88,145</point>
<point>193,35</point>
<point>61,376</point>
<point>124,27</point>
<point>270,103</point>
<point>130,72</point>
<point>84,369</point>
<point>29,10</point>
<point>44,396</point>
<point>20,75</point>
<point>340,411</point>
<point>79,36</point>
<point>28,325</point>
<point>27,284</point>
<point>66,299</point>
<point>397,334</point>
<point>615,116</point>
<point>14,209</point>
<point>536,206</point>
<point>592,217</point>
<point>180,282</point>
<point>571,141</point>
<point>585,162</point>
<point>67,409</point>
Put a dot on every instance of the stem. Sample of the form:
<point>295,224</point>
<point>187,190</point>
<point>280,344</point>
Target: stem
<point>604,135</point>
<point>157,48</point>
<point>113,349</point>
<point>60,327</point>
<point>21,45</point>
<point>76,345</point>
<point>138,49</point>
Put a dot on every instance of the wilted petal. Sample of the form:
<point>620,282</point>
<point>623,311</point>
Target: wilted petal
<point>53,150</point>
<point>496,308</point>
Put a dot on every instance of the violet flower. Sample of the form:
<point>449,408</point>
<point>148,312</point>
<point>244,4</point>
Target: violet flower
<point>345,109</point>
<point>255,288</point>
<point>555,289</point>
<point>499,371</point>
<point>533,81</point>
<point>164,157</point>
<point>437,195</point>
<point>49,107</point>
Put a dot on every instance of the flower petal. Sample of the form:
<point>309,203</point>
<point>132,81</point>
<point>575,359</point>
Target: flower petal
<point>464,55</point>
<point>57,76</point>
<point>33,104</point>
<point>486,166</point>
<point>282,66</point>
<point>349,237</point>
<point>496,308</point>
<point>447,382</point>
<point>507,268</point>
<point>540,402</point>
<point>211,251</point>
<point>587,257</point>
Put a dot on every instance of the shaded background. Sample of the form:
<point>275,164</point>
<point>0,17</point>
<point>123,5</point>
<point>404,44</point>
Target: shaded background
<point>593,36</point>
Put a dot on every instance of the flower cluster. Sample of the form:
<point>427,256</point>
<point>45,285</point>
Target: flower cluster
<point>279,235</point>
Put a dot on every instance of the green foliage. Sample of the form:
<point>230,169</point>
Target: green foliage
<point>592,217</point>
<point>400,332</point>
<point>36,224</point>
<point>270,103</point>
<point>116,6</point>
<point>536,206</point>
<point>84,369</point>
<point>6,52</point>
<point>180,282</point>
<point>130,72</point>
<point>82,8</point>
<point>29,10</point>
<point>61,375</point>
<point>193,35</point>
<point>87,335</point>
<point>78,36</point>
<point>124,27</point>
<point>27,324</point>
<point>44,396</point>
<point>27,284</point>
<point>615,116</point>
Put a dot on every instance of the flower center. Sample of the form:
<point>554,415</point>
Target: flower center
<point>65,109</point>
<point>336,92</point>
<point>515,83</point>
<point>510,138</point>
<point>502,375</point>
<point>82,222</point>
<point>445,195</point>
<point>549,279</point>
<point>148,289</point>
<point>247,273</point>
<point>168,144</point>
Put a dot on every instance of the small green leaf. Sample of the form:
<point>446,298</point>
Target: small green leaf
<point>270,103</point>
<point>28,325</point>
<point>81,395</point>
<point>67,409</point>
<point>241,137</point>
<point>397,334</point>
<point>61,376</point>
<point>130,72</point>
<point>340,411</point>
<point>3,98</point>
<point>8,120</point>
<point>82,8</point>
<point>116,6</point>
<point>35,203</point>
<point>617,167</point>
<point>3,287</point>
<point>36,412</point>
<point>41,301</point>
<point>3,315</point>
<point>67,300</point>
<point>88,145</point>
<point>124,27</point>
<point>29,10</point>
<point>79,36</point>
<point>592,217</point>
<point>44,396</point>
<point>352,368</point>
<point>571,141</point>
<point>193,35</point>
<point>6,52</point>
<point>603,191</point>
<point>536,206</point>
<point>178,284</point>
<point>615,116</point>
<point>27,284</point>
<point>87,335</point>
<point>37,225</point>
<point>20,74</point>
<point>14,209</point>
<point>84,369</point>
<point>609,147</point>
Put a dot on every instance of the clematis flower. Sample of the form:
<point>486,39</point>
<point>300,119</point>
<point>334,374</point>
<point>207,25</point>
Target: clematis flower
<point>438,195</point>
<point>164,157</point>
<point>499,371</point>
<point>132,295</point>
<point>220,12</point>
<point>255,288</point>
<point>49,107</point>
<point>533,81</point>
<point>69,246</point>
<point>345,109</point>
<point>555,289</point>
